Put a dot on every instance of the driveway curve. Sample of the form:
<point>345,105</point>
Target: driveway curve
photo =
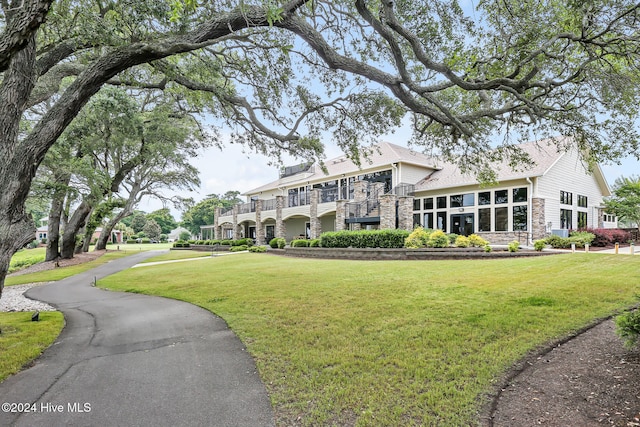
<point>136,360</point>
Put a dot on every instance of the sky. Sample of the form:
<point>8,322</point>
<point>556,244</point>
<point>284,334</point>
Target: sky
<point>235,169</point>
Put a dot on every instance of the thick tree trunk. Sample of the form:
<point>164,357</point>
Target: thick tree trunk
<point>77,221</point>
<point>61,181</point>
<point>16,167</point>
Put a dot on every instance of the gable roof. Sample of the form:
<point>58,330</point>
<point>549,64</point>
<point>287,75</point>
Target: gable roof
<point>383,154</point>
<point>544,154</point>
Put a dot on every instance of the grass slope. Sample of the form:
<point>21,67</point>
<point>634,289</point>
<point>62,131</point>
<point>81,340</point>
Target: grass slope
<point>22,340</point>
<point>397,342</point>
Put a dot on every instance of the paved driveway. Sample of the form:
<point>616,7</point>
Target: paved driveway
<point>134,360</point>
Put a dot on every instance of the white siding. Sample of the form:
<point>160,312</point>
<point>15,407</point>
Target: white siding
<point>569,174</point>
<point>410,174</point>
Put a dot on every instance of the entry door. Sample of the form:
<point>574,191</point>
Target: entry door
<point>462,224</point>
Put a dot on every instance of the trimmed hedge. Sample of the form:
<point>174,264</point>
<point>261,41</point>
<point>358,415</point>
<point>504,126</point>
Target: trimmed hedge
<point>299,243</point>
<point>181,244</point>
<point>364,239</point>
<point>608,236</point>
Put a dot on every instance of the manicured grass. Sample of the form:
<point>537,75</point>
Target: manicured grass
<point>26,257</point>
<point>137,247</point>
<point>22,340</point>
<point>63,272</point>
<point>392,342</point>
<point>174,255</point>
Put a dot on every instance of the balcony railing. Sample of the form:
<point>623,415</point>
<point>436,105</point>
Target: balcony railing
<point>403,190</point>
<point>269,205</point>
<point>245,208</point>
<point>226,212</point>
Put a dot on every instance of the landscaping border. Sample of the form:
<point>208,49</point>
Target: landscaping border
<point>402,254</point>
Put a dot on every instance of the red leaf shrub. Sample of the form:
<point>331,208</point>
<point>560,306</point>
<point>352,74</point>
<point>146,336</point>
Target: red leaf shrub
<point>608,236</point>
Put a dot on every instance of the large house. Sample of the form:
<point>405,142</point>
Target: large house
<point>396,187</point>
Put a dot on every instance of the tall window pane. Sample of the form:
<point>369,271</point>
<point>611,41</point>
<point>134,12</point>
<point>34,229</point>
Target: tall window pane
<point>519,218</point>
<point>428,220</point>
<point>416,204</point>
<point>484,219</point>
<point>501,219</point>
<point>582,219</point>
<point>416,220</point>
<point>442,202</point>
<point>455,201</point>
<point>565,218</point>
<point>468,199</point>
<point>442,221</point>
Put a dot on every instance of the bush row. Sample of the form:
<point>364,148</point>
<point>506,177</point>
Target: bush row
<point>607,236</point>
<point>227,242</point>
<point>364,239</point>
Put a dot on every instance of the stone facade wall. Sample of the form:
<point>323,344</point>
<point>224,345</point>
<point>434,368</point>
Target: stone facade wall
<point>405,213</point>
<point>341,214</point>
<point>388,211</point>
<point>538,220</point>
<point>260,236</point>
<point>505,237</point>
<point>280,231</point>
<point>314,221</point>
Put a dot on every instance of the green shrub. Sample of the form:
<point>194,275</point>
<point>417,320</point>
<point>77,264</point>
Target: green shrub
<point>462,242</point>
<point>181,244</point>
<point>191,242</point>
<point>438,239</point>
<point>200,242</point>
<point>281,243</point>
<point>145,240</point>
<point>314,243</point>
<point>514,246</point>
<point>488,248</point>
<point>300,243</point>
<point>628,328</point>
<point>418,238</point>
<point>539,245</point>
<point>238,248</point>
<point>452,238</point>
<point>226,242</point>
<point>477,241</point>
<point>364,239</point>
<point>274,243</point>
<point>581,238</point>
<point>132,242</point>
<point>258,249</point>
<point>558,242</point>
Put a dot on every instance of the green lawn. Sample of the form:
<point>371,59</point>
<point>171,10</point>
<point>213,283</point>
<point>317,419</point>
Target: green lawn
<point>391,343</point>
<point>22,340</point>
<point>175,255</point>
<point>26,257</point>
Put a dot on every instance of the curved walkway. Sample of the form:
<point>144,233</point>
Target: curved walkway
<point>128,359</point>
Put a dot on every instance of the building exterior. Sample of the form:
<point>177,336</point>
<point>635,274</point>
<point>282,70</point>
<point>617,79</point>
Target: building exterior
<point>395,187</point>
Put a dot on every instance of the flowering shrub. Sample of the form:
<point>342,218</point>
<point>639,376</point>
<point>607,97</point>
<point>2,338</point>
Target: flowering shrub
<point>438,239</point>
<point>608,236</point>
<point>418,238</point>
<point>462,242</point>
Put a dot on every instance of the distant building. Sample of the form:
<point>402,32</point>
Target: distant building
<point>400,188</point>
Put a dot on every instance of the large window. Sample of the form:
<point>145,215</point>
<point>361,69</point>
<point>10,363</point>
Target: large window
<point>519,194</point>
<point>461,200</point>
<point>566,198</point>
<point>416,220</point>
<point>416,204</point>
<point>484,198</point>
<point>582,219</point>
<point>328,191</point>
<point>502,196</point>
<point>519,218</point>
<point>442,202</point>
<point>484,219</point>
<point>501,219</point>
<point>582,201</point>
<point>293,197</point>
<point>565,218</point>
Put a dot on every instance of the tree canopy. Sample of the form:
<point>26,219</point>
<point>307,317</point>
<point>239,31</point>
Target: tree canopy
<point>282,75</point>
<point>625,201</point>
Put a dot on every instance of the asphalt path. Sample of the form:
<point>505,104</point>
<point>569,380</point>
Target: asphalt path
<point>134,360</point>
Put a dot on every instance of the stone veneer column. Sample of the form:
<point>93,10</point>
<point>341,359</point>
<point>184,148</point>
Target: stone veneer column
<point>260,236</point>
<point>217,230</point>
<point>388,211</point>
<point>237,232</point>
<point>360,191</point>
<point>538,220</point>
<point>341,213</point>
<point>405,213</point>
<point>281,231</point>
<point>600,218</point>
<point>314,221</point>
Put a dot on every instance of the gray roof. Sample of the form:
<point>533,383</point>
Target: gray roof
<point>383,154</point>
<point>543,154</point>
